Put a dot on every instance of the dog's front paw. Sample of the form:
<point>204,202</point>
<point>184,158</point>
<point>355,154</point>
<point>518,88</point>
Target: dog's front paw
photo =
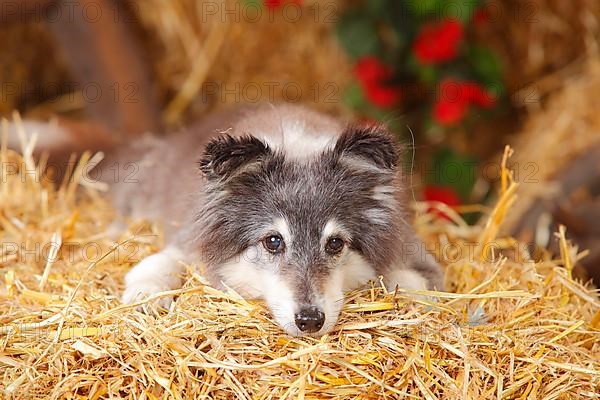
<point>140,290</point>
<point>154,274</point>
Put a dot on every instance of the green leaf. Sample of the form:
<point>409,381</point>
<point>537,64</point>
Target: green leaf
<point>255,3</point>
<point>425,73</point>
<point>358,35</point>
<point>423,7</point>
<point>486,65</point>
<point>428,74</point>
<point>434,131</point>
<point>455,170</point>
<point>459,9</point>
<point>498,89</point>
<point>377,8</point>
<point>354,97</point>
<point>450,9</point>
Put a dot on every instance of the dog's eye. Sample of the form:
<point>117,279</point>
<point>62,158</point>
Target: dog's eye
<point>274,243</point>
<point>334,245</point>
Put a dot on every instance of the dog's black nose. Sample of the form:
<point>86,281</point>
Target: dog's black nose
<point>310,319</point>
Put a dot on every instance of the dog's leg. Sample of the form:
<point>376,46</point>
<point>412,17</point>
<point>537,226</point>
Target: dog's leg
<point>419,273</point>
<point>156,273</point>
<point>115,229</point>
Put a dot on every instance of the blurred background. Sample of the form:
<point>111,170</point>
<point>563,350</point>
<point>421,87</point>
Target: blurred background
<point>456,80</point>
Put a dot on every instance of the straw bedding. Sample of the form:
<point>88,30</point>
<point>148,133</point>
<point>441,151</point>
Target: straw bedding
<point>510,328</point>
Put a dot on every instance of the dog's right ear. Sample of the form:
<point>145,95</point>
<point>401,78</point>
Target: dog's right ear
<point>373,144</point>
<point>224,155</point>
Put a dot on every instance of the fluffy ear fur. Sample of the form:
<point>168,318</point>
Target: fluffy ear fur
<point>373,144</point>
<point>226,154</point>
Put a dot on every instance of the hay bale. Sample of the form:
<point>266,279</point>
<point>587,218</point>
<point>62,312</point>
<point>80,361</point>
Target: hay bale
<point>211,53</point>
<point>557,162</point>
<point>512,328</point>
<point>542,37</point>
<point>567,126</point>
<point>204,54</point>
<point>27,77</point>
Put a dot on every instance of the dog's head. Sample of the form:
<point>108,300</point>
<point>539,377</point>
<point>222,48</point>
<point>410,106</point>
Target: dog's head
<point>299,232</point>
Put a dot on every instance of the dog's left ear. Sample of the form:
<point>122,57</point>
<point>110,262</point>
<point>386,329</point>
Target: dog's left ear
<point>373,144</point>
<point>225,155</point>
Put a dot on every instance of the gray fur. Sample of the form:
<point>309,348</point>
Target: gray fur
<point>219,195</point>
<point>307,195</point>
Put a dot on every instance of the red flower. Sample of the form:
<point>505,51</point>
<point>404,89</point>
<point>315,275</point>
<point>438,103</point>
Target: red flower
<point>455,98</point>
<point>437,43</point>
<point>369,69</point>
<point>272,4</point>
<point>372,75</point>
<point>477,95</point>
<point>382,96</point>
<point>442,194</point>
<point>449,112</point>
